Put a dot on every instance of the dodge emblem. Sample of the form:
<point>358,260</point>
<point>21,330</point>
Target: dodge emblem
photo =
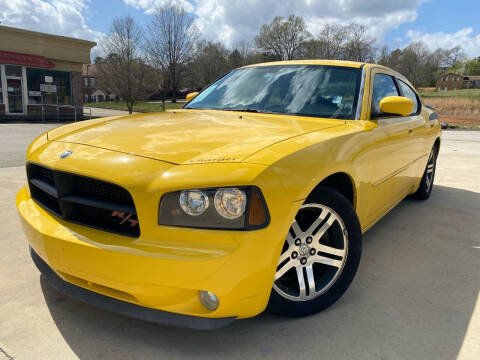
<point>65,154</point>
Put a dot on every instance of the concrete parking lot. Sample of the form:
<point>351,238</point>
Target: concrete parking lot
<point>416,294</point>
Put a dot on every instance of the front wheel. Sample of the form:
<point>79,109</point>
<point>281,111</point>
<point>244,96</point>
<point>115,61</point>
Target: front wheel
<point>319,258</point>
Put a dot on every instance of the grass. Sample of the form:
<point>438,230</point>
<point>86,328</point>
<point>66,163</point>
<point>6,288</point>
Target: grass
<point>457,110</point>
<point>458,107</point>
<point>464,93</point>
<point>141,106</point>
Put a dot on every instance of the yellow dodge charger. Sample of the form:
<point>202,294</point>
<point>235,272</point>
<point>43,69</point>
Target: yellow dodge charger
<point>253,196</point>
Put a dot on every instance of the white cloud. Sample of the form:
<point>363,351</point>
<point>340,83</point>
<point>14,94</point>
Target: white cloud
<point>60,17</point>
<point>230,21</point>
<point>464,38</point>
<point>150,5</point>
<point>233,21</point>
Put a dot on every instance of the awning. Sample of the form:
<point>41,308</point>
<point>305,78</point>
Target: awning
<point>9,57</point>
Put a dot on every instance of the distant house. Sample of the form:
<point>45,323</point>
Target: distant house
<point>91,92</point>
<point>452,81</point>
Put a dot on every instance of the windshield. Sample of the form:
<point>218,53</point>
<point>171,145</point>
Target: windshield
<point>306,90</point>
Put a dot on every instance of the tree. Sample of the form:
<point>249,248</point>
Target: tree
<point>246,49</point>
<point>337,42</point>
<point>332,41</point>
<point>454,55</point>
<point>283,37</point>
<point>210,62</point>
<point>123,70</point>
<point>473,67</point>
<point>420,65</point>
<point>170,43</point>
<point>359,45</point>
<point>235,59</point>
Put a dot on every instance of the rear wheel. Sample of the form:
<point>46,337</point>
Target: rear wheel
<point>426,185</point>
<point>319,258</point>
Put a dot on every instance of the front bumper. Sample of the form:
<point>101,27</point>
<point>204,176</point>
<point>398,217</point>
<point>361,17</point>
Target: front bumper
<point>163,271</point>
<point>125,308</point>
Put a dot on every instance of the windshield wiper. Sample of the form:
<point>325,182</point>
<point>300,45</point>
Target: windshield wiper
<point>243,110</point>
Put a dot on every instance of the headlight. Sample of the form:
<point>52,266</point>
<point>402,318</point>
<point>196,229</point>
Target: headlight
<point>230,202</point>
<point>193,202</point>
<point>234,208</point>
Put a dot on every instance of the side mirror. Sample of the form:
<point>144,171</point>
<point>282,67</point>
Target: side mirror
<point>397,105</point>
<point>190,96</point>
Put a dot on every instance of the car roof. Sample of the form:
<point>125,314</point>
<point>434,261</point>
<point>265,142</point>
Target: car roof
<point>352,64</point>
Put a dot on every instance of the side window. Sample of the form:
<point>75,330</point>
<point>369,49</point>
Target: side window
<point>409,93</point>
<point>383,86</point>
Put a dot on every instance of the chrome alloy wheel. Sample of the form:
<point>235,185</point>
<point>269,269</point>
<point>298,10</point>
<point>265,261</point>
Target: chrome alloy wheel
<point>314,253</point>
<point>430,172</point>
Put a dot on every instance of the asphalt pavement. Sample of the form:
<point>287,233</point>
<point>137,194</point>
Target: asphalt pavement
<point>15,138</point>
<point>415,296</point>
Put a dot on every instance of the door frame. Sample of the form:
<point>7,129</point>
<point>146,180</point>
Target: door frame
<point>24,89</point>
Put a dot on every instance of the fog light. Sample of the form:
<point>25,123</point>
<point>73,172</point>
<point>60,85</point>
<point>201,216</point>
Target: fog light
<point>208,299</point>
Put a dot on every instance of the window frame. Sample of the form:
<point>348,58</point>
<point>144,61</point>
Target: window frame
<point>374,116</point>
<point>419,102</point>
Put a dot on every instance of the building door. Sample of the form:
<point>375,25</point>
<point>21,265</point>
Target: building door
<point>15,96</point>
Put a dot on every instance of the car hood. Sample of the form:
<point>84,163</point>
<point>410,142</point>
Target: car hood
<point>190,136</point>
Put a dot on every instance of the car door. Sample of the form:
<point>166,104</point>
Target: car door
<point>389,152</point>
<point>417,126</point>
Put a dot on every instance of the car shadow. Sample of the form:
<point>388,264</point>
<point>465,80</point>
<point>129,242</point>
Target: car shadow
<point>413,298</point>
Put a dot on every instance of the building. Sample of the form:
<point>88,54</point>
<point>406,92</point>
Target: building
<point>451,81</point>
<point>91,90</point>
<point>41,75</point>
<point>89,83</point>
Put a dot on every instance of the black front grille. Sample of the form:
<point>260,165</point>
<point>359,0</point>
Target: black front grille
<point>84,200</point>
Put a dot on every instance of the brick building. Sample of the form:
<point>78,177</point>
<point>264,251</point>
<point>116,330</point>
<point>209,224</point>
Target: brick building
<point>91,90</point>
<point>40,75</point>
<point>452,81</point>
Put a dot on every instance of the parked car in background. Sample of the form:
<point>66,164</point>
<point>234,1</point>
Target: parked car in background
<point>255,195</point>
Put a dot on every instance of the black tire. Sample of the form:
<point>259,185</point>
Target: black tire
<point>426,184</point>
<point>334,200</point>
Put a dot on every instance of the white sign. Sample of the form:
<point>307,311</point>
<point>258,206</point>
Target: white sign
<point>48,88</point>
<point>49,79</point>
<point>34,93</point>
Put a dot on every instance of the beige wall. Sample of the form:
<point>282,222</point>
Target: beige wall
<point>66,53</point>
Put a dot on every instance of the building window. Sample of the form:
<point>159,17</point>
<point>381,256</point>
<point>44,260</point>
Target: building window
<point>13,70</point>
<point>50,85</point>
<point>92,82</point>
<point>85,82</point>
<point>1,93</point>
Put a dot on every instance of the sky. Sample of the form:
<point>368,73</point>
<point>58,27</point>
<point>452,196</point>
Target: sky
<point>394,23</point>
